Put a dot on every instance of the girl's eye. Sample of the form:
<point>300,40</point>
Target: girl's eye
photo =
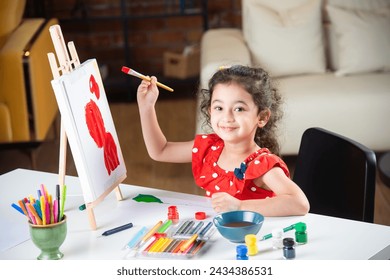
<point>218,108</point>
<point>239,109</point>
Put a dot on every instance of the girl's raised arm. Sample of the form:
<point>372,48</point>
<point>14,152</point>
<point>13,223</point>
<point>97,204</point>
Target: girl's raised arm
<point>156,143</point>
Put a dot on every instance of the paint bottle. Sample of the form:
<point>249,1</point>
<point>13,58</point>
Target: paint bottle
<point>251,243</point>
<point>242,252</point>
<point>173,214</point>
<point>288,248</point>
<point>300,233</point>
<point>277,238</point>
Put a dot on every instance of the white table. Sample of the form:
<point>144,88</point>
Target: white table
<point>328,238</point>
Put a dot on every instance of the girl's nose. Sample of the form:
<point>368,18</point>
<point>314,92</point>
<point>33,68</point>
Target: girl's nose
<point>228,116</point>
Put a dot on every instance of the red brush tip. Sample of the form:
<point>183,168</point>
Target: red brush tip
<point>125,69</point>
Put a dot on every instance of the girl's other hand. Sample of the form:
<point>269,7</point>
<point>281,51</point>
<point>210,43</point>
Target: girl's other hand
<point>222,202</point>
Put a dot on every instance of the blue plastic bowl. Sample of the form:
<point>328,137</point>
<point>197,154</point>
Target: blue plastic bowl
<point>235,225</point>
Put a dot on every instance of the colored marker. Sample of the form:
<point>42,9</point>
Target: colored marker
<point>58,196</point>
<point>167,242</point>
<point>269,235</point>
<point>197,228</point>
<point>172,246</point>
<point>17,208</point>
<point>164,227</point>
<point>47,208</point>
<point>197,247</point>
<point>152,231</point>
<point>157,245</point>
<point>43,209</point>
<point>188,227</point>
<point>183,227</point>
<point>63,198</point>
<point>21,204</point>
<point>37,206</point>
<point>205,229</point>
<point>149,244</point>
<point>55,211</point>
<point>34,213</point>
<point>117,229</point>
<point>188,243</point>
<point>136,239</point>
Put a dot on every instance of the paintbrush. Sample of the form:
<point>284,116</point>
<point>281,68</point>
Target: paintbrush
<point>132,72</point>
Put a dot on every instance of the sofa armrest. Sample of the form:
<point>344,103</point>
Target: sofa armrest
<point>25,77</point>
<point>214,52</point>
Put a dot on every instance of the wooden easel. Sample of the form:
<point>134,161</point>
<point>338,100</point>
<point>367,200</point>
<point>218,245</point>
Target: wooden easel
<point>66,65</point>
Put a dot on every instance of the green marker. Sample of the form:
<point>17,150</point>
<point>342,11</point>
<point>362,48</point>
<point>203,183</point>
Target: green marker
<point>63,198</point>
<point>164,227</point>
<point>268,236</point>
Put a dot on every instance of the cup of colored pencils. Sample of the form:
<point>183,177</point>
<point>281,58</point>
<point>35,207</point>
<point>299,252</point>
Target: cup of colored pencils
<point>46,220</point>
<point>49,238</point>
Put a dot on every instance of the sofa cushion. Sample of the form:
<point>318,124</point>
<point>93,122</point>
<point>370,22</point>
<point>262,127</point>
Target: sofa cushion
<point>281,39</point>
<point>358,33</point>
<point>356,106</point>
<point>219,47</point>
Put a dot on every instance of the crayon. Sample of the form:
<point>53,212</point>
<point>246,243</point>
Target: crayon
<point>188,243</point>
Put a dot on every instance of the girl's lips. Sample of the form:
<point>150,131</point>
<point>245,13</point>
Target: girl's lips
<point>227,128</point>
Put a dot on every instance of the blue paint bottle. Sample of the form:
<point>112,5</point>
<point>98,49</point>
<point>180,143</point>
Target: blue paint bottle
<point>242,252</point>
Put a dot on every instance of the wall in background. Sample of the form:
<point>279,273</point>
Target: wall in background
<point>152,27</point>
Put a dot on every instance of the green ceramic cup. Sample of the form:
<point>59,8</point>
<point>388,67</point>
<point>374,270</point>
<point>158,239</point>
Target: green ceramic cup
<point>49,238</point>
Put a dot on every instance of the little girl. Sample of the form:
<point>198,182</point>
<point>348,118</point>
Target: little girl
<point>237,165</point>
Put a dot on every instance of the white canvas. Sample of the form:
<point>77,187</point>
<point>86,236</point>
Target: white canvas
<point>95,147</point>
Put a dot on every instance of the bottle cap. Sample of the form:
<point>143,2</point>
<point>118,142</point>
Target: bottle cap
<point>173,214</point>
<point>200,215</point>
<point>250,239</point>
<point>300,226</point>
<point>288,242</point>
<point>172,209</point>
<point>242,250</point>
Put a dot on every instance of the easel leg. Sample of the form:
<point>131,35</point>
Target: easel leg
<point>91,216</point>
<point>118,193</point>
<point>62,160</point>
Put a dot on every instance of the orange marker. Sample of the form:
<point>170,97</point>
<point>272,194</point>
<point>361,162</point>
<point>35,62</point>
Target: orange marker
<point>152,231</point>
<point>21,204</point>
<point>188,243</point>
<point>34,213</point>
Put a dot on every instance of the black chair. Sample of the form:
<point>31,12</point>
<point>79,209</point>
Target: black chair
<point>337,175</point>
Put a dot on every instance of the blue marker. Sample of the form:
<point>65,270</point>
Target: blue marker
<point>137,238</point>
<point>205,229</point>
<point>17,208</point>
<point>37,206</point>
<point>197,227</point>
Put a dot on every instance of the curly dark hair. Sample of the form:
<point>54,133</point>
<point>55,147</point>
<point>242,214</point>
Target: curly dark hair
<point>259,85</point>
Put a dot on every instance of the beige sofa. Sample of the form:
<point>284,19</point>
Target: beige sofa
<point>330,59</point>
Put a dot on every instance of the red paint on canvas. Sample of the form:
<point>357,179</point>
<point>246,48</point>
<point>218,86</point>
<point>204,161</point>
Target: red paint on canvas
<point>97,130</point>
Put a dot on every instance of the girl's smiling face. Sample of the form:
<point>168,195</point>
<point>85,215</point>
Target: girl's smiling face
<point>233,114</point>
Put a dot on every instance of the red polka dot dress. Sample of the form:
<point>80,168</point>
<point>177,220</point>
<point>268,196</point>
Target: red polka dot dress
<point>238,183</point>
